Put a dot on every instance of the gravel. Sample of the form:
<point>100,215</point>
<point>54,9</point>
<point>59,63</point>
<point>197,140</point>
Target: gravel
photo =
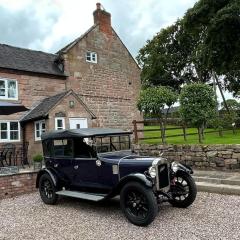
<point>212,216</point>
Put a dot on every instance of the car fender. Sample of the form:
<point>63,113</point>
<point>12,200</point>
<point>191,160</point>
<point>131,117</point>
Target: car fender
<point>138,177</point>
<point>179,167</point>
<point>51,173</point>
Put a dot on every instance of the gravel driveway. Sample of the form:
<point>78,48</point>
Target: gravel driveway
<point>212,216</point>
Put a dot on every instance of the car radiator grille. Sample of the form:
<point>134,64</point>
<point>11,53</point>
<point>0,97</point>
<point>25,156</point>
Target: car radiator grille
<point>163,176</point>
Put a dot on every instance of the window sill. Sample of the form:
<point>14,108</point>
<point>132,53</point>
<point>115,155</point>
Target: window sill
<point>91,62</point>
<point>9,141</point>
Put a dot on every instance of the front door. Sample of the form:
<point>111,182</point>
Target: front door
<point>76,123</point>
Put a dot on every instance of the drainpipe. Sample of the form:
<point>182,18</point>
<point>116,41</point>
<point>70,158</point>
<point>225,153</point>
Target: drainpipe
<point>23,128</point>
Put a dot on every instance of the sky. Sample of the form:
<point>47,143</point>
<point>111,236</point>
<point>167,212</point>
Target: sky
<point>49,25</point>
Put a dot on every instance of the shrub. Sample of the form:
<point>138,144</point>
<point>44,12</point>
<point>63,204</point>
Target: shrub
<point>37,158</point>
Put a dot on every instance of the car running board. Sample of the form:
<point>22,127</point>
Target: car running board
<point>83,195</point>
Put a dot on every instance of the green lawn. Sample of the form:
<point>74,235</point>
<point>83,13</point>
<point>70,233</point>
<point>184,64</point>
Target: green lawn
<point>211,138</point>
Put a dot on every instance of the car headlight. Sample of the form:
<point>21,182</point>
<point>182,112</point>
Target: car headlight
<point>174,166</point>
<point>152,172</point>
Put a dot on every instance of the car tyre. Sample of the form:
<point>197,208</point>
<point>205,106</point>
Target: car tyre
<point>138,203</point>
<point>47,190</point>
<point>184,184</point>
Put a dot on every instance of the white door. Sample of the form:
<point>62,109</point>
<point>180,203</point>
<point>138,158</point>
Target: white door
<point>76,123</point>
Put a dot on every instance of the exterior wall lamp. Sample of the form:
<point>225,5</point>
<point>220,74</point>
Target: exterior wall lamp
<point>71,104</point>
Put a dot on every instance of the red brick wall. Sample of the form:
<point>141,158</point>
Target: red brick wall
<point>32,89</point>
<point>17,184</point>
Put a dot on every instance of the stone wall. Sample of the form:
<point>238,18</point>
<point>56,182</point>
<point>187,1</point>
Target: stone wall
<point>17,184</point>
<point>111,86</point>
<point>221,157</point>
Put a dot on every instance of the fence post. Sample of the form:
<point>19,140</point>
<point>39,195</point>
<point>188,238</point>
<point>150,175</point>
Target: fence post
<point>184,133</point>
<point>135,131</point>
<point>220,132</point>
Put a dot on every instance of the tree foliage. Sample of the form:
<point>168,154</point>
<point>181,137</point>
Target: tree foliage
<point>197,104</point>
<point>233,105</point>
<point>204,43</point>
<point>215,25</point>
<point>153,100</point>
<point>165,60</point>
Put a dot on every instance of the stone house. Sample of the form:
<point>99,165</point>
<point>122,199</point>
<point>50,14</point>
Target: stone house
<point>92,82</point>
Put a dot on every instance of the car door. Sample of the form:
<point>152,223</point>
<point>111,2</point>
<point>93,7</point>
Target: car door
<point>62,161</point>
<point>85,173</point>
<point>85,169</point>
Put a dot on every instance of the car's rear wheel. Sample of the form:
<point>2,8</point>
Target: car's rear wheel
<point>184,190</point>
<point>138,203</point>
<point>47,190</point>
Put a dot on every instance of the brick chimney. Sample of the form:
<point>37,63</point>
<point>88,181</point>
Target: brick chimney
<point>102,18</point>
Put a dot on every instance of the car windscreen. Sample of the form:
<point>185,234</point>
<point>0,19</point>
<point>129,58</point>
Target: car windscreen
<point>112,143</point>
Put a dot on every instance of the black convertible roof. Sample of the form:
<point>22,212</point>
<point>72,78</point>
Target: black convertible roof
<point>83,132</point>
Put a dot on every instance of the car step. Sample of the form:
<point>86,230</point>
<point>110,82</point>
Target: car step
<point>83,195</point>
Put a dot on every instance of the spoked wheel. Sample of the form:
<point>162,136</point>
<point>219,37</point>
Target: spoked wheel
<point>183,190</point>
<point>47,189</point>
<point>138,203</point>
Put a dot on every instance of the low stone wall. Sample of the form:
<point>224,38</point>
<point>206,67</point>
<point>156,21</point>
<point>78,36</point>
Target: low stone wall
<point>17,184</point>
<point>221,157</point>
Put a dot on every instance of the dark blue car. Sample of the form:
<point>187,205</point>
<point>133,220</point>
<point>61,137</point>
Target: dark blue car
<point>98,163</point>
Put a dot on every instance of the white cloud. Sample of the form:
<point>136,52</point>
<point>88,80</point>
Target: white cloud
<point>135,20</point>
<point>48,25</point>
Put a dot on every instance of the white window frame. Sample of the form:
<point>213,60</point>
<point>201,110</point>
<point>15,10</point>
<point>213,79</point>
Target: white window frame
<point>6,80</point>
<point>9,131</point>
<point>40,129</point>
<point>63,123</point>
<point>92,55</point>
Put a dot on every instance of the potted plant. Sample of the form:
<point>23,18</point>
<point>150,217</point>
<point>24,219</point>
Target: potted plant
<point>37,161</point>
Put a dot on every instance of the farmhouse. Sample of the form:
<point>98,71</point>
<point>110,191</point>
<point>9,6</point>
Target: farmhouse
<point>92,82</point>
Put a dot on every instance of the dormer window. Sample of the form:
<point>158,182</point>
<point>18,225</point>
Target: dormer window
<point>91,57</point>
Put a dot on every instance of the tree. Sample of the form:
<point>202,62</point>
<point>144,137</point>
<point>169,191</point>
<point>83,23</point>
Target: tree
<point>197,106</point>
<point>153,100</point>
<point>233,104</point>
<point>203,45</point>
<point>166,59</point>
<point>229,120</point>
<point>215,26</point>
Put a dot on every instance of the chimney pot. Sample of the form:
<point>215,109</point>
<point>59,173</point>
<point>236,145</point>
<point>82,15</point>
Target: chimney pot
<point>98,6</point>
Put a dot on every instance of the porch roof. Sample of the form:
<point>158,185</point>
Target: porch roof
<point>42,109</point>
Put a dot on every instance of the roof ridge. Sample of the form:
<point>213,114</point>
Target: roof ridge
<point>58,94</point>
<point>71,44</point>
<point>28,49</point>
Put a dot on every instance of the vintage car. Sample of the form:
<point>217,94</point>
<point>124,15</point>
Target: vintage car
<point>98,163</point>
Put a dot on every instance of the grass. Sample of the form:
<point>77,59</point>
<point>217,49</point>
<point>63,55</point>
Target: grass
<point>210,138</point>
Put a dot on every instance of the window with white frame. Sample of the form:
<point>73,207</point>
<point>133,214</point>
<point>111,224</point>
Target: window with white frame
<point>8,89</point>
<point>91,57</point>
<point>9,131</point>
<point>59,123</point>
<point>40,128</point>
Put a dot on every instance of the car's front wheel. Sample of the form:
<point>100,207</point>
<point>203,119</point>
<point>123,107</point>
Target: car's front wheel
<point>138,203</point>
<point>183,190</point>
<point>47,190</point>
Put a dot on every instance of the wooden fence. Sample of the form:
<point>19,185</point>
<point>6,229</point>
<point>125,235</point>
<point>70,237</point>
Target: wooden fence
<point>162,132</point>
